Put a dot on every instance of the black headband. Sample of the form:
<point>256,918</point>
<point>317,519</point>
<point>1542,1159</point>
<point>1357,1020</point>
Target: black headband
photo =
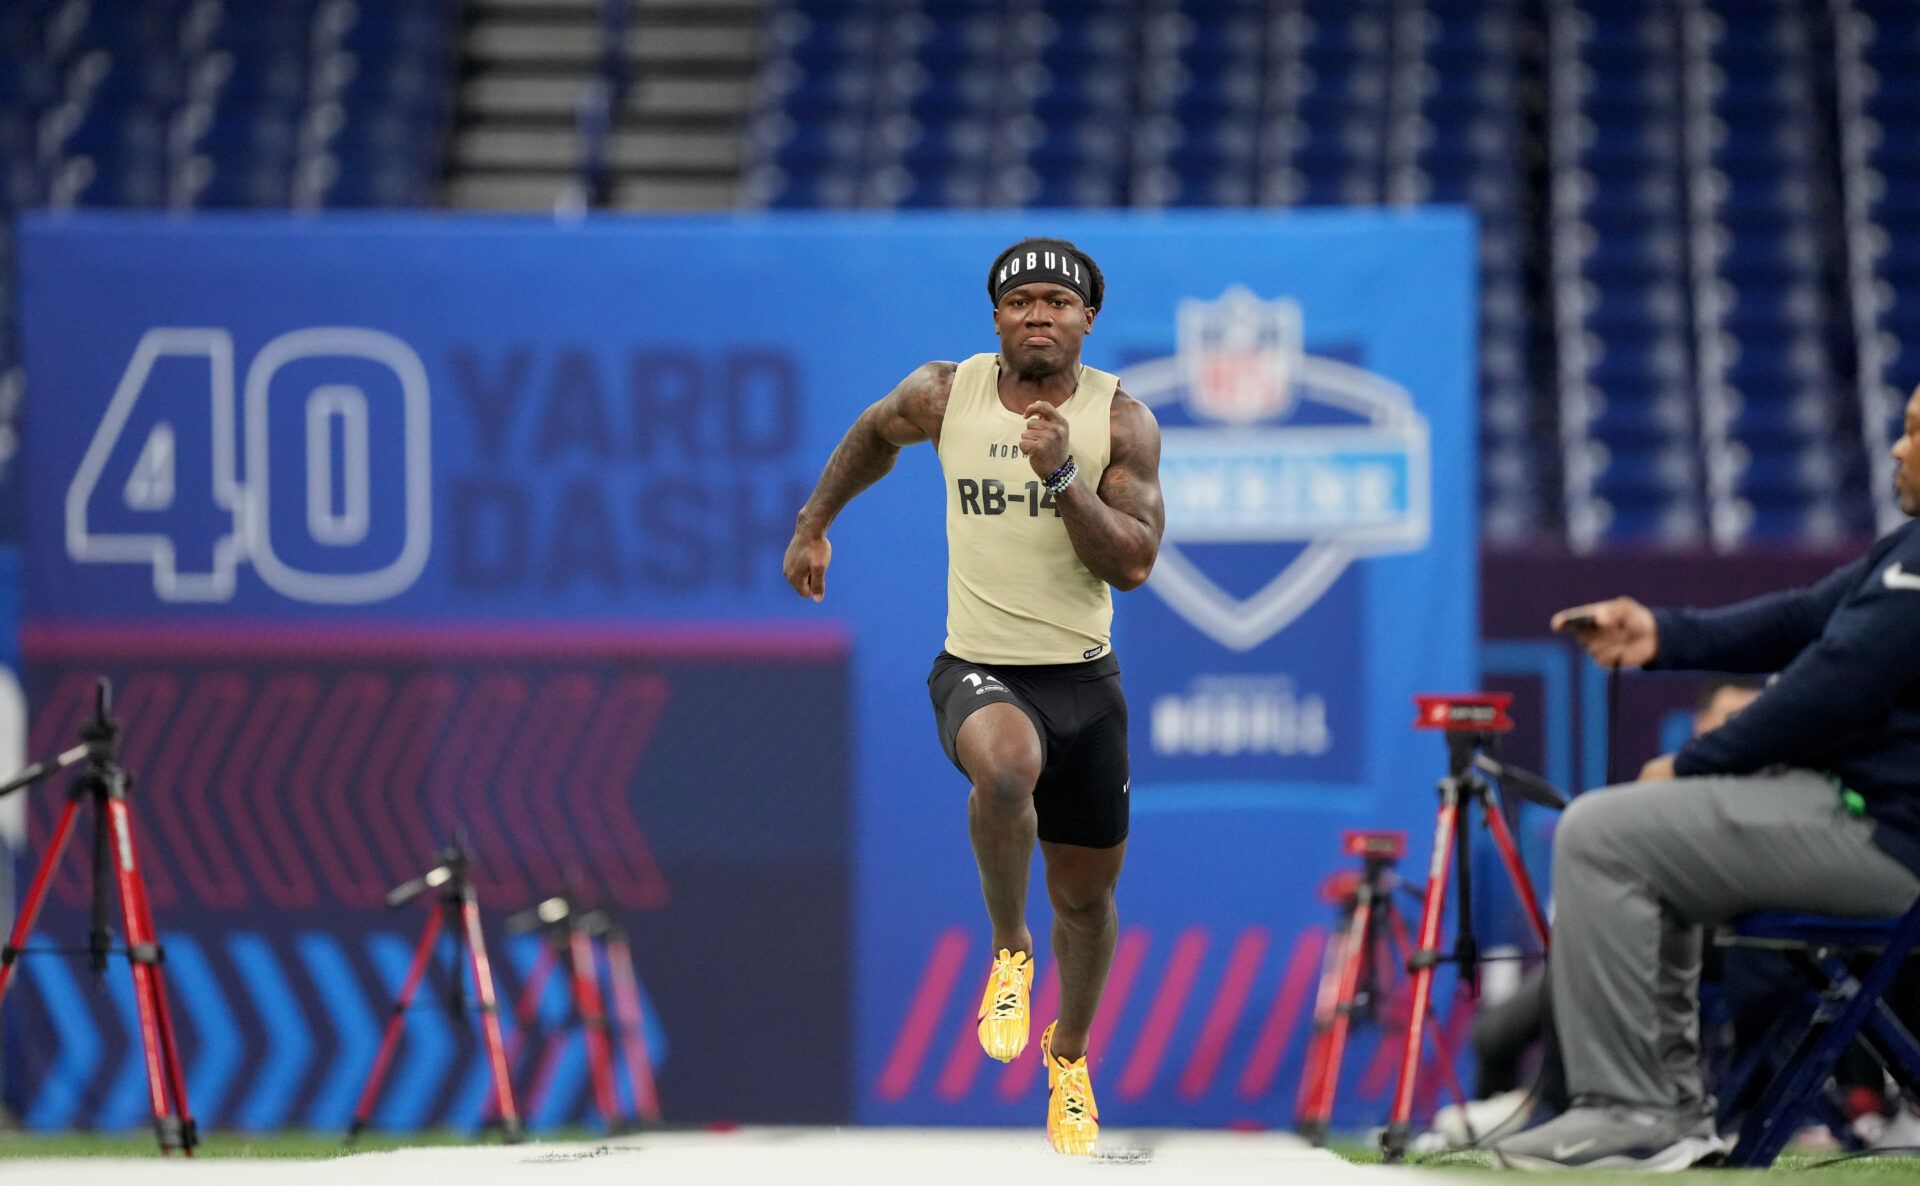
<point>1036,261</point>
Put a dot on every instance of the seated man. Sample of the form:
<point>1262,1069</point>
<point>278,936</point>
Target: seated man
<point>1808,799</point>
<point>1503,1033</point>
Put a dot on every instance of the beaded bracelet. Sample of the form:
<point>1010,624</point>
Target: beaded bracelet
<point>1060,479</point>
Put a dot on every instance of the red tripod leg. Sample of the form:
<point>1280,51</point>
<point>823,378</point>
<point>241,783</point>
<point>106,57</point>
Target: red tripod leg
<point>157,978</point>
<point>143,958</point>
<point>593,1019</point>
<point>490,1018</point>
<point>1399,1119</point>
<point>1325,998</point>
<point>526,1015</point>
<point>1354,958</point>
<point>1516,868</point>
<point>36,895</point>
<point>1441,1048</point>
<point>526,1011</point>
<point>415,971</point>
<point>633,1029</point>
<point>1443,1051</point>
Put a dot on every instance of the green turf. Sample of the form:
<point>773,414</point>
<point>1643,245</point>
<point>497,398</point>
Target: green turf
<point>227,1144</point>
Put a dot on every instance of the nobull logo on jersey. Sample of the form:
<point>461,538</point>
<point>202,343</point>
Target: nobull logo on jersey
<point>1278,447</point>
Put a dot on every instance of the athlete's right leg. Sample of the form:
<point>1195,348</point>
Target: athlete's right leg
<point>1000,751</point>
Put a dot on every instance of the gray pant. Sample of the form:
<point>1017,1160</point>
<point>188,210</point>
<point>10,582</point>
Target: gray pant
<point>1639,869</point>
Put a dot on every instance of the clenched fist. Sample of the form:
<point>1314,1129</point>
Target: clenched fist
<point>1045,439</point>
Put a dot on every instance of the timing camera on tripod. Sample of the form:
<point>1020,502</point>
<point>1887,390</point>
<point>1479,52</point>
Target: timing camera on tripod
<point>1472,725</point>
<point>578,939</point>
<point>105,784</point>
<point>1364,957</point>
<point>454,908</point>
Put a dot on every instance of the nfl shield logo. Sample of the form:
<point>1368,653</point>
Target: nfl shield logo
<point>1350,482</point>
<point>1240,355</point>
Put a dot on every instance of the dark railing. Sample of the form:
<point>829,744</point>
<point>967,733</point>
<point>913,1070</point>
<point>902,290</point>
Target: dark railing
<point>601,101</point>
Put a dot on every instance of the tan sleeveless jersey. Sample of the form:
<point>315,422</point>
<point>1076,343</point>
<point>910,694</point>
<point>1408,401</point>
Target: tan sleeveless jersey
<point>1016,592</point>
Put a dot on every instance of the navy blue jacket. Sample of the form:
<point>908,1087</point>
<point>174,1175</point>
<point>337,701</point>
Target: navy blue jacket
<point>1847,700</point>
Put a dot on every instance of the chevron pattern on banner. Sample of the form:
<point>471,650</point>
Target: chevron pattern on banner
<point>309,1007</point>
<point>262,781</point>
<point>1197,1018</point>
<point>281,790</point>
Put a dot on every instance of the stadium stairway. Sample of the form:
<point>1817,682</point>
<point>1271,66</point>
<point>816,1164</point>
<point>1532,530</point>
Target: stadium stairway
<point>634,104</point>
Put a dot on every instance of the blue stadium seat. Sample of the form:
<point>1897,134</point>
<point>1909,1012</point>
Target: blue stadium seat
<point>1789,474</point>
<point>833,10</point>
<point>232,183</point>
<point>1084,44</point>
<point>25,82</point>
<point>1076,188</point>
<point>1652,523</point>
<point>380,188</point>
<point>120,180</point>
<point>820,145</point>
<point>1644,422</point>
<point>828,189</point>
<point>20,185</point>
<point>1785,517</point>
<point>1073,147</point>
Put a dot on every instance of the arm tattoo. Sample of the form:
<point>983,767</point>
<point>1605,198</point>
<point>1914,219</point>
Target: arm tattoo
<point>1116,530</point>
<point>910,413</point>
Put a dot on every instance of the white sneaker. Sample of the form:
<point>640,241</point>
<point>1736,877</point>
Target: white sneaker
<point>1604,1136</point>
<point>1899,1131</point>
<point>1480,1121</point>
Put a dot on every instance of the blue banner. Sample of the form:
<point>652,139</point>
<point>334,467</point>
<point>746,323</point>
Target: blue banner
<point>270,433</point>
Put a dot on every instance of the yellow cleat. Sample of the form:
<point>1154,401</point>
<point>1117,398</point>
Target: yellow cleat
<point>1003,1008</point>
<point>1073,1118</point>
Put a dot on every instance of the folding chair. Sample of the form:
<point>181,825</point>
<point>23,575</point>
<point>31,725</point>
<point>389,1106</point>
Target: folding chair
<point>1846,1006</point>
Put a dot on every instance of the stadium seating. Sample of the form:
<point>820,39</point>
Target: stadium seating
<point>1629,414</point>
<point>1659,194</point>
<point>1700,240</point>
<point>1465,145</point>
<point>200,104</point>
<point>192,104</point>
<point>1879,52</point>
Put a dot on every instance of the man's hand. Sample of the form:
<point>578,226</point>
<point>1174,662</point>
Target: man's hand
<point>1658,770</point>
<point>1045,439</point>
<point>1620,632</point>
<point>806,564</point>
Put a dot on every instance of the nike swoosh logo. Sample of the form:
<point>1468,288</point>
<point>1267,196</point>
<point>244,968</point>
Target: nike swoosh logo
<point>1562,1152</point>
<point>1896,577</point>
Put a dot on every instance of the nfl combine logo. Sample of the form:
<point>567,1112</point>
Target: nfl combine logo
<point>1267,445</point>
<point>1239,356</point>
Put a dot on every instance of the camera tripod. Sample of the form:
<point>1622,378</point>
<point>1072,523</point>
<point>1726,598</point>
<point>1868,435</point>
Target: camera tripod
<point>1360,974</point>
<point>1472,724</point>
<point>105,784</point>
<point>458,910</point>
<point>570,934</point>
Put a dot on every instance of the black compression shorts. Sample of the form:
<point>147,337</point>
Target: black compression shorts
<point>1081,716</point>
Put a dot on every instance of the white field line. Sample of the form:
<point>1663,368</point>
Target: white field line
<point>766,1157</point>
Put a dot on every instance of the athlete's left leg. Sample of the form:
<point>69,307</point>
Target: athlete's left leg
<point>1080,883</point>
